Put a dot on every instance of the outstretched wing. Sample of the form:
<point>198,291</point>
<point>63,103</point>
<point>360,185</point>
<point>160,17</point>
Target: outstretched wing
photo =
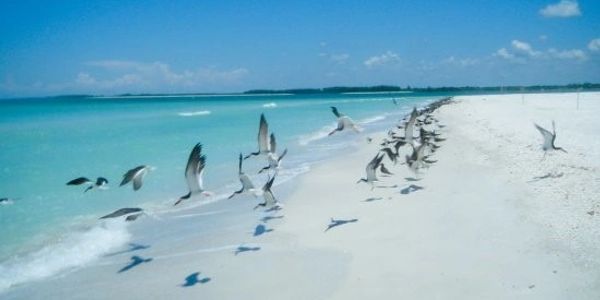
<point>336,112</point>
<point>547,135</point>
<point>194,169</point>
<point>131,174</point>
<point>273,144</point>
<point>263,132</point>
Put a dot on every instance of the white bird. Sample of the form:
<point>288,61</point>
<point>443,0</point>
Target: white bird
<point>343,122</point>
<point>415,160</point>
<point>409,127</point>
<point>273,159</point>
<point>247,185</point>
<point>101,183</point>
<point>136,175</point>
<point>263,138</point>
<point>193,174</point>
<point>270,201</point>
<point>371,170</point>
<point>6,201</point>
<point>549,138</point>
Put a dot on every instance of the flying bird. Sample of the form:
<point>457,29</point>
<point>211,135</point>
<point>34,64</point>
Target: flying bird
<point>343,122</point>
<point>270,201</point>
<point>7,201</point>
<point>193,173</point>
<point>409,127</point>
<point>273,159</point>
<point>371,171</point>
<point>101,183</point>
<point>264,146</point>
<point>135,175</point>
<point>549,138</point>
<point>247,185</point>
<point>122,212</point>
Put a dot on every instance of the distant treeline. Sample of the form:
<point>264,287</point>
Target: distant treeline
<point>445,89</point>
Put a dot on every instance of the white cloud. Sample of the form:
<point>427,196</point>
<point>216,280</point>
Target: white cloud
<point>387,58</point>
<point>154,75</point>
<point>521,52</point>
<point>543,37</point>
<point>462,62</point>
<point>594,45</point>
<point>575,54</point>
<point>339,58</point>
<point>562,9</point>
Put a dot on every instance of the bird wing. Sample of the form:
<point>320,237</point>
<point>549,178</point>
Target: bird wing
<point>336,112</point>
<point>240,165</point>
<point>137,179</point>
<point>246,182</point>
<point>273,144</point>
<point>127,177</point>
<point>282,155</point>
<point>78,181</point>
<point>263,132</point>
<point>547,135</point>
<point>372,167</point>
<point>195,168</point>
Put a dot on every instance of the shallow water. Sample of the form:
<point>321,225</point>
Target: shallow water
<point>51,227</point>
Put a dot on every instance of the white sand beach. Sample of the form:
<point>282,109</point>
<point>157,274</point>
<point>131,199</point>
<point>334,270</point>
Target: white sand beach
<point>493,221</point>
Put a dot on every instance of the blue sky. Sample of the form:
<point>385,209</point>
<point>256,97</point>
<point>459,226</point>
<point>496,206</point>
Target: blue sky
<point>111,47</point>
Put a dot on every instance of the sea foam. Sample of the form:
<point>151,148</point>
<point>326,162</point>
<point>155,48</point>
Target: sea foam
<point>75,250</point>
<point>270,105</point>
<point>194,113</point>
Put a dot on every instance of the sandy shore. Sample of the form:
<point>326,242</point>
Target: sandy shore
<point>482,226</point>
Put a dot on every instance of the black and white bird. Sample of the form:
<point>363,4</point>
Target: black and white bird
<point>6,201</point>
<point>270,200</point>
<point>549,139</point>
<point>272,157</point>
<point>343,122</point>
<point>122,212</point>
<point>135,175</point>
<point>409,127</point>
<point>264,145</point>
<point>101,183</point>
<point>193,174</point>
<point>415,160</point>
<point>247,185</point>
<point>371,171</point>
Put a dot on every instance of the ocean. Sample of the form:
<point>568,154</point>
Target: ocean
<point>52,228</point>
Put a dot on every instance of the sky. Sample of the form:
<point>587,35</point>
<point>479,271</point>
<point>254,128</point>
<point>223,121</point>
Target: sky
<point>113,47</point>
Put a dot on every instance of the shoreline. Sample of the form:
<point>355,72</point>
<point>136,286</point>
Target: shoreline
<point>478,229</point>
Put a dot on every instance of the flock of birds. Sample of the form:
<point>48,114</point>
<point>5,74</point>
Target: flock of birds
<point>422,147</point>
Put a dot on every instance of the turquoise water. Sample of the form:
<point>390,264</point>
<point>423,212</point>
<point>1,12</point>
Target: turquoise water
<point>47,142</point>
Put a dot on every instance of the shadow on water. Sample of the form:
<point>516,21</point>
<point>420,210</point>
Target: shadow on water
<point>335,223</point>
<point>132,247</point>
<point>135,261</point>
<point>241,249</point>
<point>269,218</point>
<point>192,280</point>
<point>261,229</point>
<point>410,189</point>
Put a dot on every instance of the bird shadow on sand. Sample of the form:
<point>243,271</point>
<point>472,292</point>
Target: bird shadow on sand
<point>132,247</point>
<point>546,176</point>
<point>193,279</point>
<point>371,199</point>
<point>135,261</point>
<point>335,223</point>
<point>261,229</point>
<point>266,219</point>
<point>241,249</point>
<point>393,186</point>
<point>411,189</point>
<point>412,179</point>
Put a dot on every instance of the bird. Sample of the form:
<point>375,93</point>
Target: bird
<point>136,175</point>
<point>370,169</point>
<point>270,201</point>
<point>247,185</point>
<point>343,121</point>
<point>415,160</point>
<point>264,146</point>
<point>272,157</point>
<point>100,183</point>
<point>6,201</point>
<point>193,173</point>
<point>121,212</point>
<point>384,170</point>
<point>549,139</point>
<point>409,127</point>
